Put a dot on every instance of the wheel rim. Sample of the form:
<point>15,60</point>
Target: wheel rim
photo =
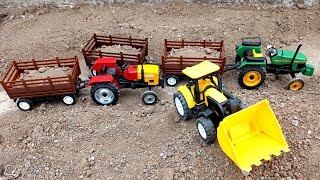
<point>179,106</point>
<point>68,100</point>
<point>104,96</point>
<point>24,105</point>
<point>202,131</point>
<point>252,78</point>
<point>296,85</point>
<point>172,81</point>
<point>149,99</point>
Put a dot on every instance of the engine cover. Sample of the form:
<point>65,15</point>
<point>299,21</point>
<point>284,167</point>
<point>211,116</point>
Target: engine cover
<point>151,73</point>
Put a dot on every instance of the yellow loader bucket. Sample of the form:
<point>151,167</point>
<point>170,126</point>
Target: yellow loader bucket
<point>251,135</point>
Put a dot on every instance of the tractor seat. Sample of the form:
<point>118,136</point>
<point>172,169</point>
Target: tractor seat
<point>256,55</point>
<point>255,59</point>
<point>111,71</point>
<point>248,43</point>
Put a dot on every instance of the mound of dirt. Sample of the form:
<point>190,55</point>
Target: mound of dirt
<point>119,48</point>
<point>44,72</point>
<point>191,51</point>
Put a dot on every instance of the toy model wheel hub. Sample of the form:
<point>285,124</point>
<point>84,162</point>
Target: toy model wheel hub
<point>104,96</point>
<point>252,78</point>
<point>68,100</point>
<point>296,84</point>
<point>149,99</point>
<point>179,106</point>
<point>202,131</point>
<point>24,105</point>
<point>172,81</point>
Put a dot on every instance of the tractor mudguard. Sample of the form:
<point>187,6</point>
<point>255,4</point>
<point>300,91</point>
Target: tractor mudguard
<point>102,79</point>
<point>251,135</point>
<point>187,95</point>
<point>308,70</point>
<point>252,63</point>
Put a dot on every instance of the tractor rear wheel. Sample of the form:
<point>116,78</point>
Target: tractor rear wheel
<point>25,104</point>
<point>206,130</point>
<point>105,94</point>
<point>182,106</point>
<point>295,84</point>
<point>149,97</point>
<point>251,77</point>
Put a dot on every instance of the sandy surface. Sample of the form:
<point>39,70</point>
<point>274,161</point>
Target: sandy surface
<point>119,48</point>
<point>133,141</point>
<point>45,72</point>
<point>190,51</point>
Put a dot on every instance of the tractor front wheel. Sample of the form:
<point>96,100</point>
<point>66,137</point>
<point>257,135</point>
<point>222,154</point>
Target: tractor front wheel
<point>251,77</point>
<point>105,94</point>
<point>295,84</point>
<point>206,130</point>
<point>182,106</point>
<point>149,97</point>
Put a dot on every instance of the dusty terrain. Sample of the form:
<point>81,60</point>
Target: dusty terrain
<point>45,72</point>
<point>119,48</point>
<point>190,51</point>
<point>133,141</point>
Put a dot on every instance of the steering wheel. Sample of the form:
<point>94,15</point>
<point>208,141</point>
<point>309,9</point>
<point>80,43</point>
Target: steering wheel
<point>125,66</point>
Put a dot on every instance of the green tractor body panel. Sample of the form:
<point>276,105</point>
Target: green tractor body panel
<point>308,70</point>
<point>240,49</point>
<point>284,57</point>
<point>246,63</point>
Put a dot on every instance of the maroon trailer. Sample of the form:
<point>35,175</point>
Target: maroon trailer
<point>91,53</point>
<point>172,66</point>
<point>26,92</point>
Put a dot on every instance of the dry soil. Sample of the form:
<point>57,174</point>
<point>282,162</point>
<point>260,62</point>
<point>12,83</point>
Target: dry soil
<point>134,141</point>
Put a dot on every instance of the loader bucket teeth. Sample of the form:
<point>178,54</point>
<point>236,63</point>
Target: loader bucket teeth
<point>251,135</point>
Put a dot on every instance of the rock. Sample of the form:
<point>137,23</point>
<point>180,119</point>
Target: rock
<point>162,102</point>
<point>42,69</point>
<point>176,119</point>
<point>3,14</point>
<point>208,51</point>
<point>126,25</point>
<point>174,28</point>
<point>168,174</point>
<point>295,122</point>
<point>309,132</point>
<point>39,13</point>
<point>301,6</point>
<point>88,173</point>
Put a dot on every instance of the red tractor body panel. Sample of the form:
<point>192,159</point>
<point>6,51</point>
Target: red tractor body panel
<point>102,79</point>
<point>109,62</point>
<point>131,73</point>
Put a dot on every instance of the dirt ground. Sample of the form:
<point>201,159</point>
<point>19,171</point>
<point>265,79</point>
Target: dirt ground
<point>134,141</point>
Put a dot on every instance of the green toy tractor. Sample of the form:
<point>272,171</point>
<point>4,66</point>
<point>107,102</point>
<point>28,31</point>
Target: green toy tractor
<point>253,65</point>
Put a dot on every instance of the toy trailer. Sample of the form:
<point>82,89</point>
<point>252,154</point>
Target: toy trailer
<point>26,92</point>
<point>172,66</point>
<point>90,52</point>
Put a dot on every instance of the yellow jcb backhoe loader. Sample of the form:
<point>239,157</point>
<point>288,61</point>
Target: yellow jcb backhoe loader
<point>246,135</point>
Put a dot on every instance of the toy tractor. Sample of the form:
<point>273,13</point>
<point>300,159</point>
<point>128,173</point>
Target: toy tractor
<point>246,135</point>
<point>253,66</point>
<point>110,78</point>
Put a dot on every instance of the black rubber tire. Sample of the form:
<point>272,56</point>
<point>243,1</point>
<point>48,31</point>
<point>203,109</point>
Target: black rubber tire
<point>295,80</point>
<point>209,129</point>
<point>112,87</point>
<point>25,101</point>
<point>70,95</point>
<point>149,93</point>
<point>171,76</point>
<point>245,70</point>
<point>237,59</point>
<point>187,113</point>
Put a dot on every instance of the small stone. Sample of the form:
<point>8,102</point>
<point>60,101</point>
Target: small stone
<point>88,173</point>
<point>162,102</point>
<point>295,122</point>
<point>208,51</point>
<point>42,69</point>
<point>309,132</point>
<point>145,170</point>
<point>92,150</point>
<point>84,163</point>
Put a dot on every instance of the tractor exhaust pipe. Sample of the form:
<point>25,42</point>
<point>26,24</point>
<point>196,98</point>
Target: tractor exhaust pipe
<point>294,56</point>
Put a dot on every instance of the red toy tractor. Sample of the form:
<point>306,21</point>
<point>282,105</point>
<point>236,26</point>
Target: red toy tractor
<point>109,78</point>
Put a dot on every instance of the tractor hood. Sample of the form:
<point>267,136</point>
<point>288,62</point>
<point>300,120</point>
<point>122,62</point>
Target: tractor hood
<point>288,55</point>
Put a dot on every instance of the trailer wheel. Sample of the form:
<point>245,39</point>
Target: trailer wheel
<point>69,99</point>
<point>149,97</point>
<point>105,94</point>
<point>25,104</point>
<point>251,77</point>
<point>182,106</point>
<point>295,84</point>
<point>206,130</point>
<point>171,80</point>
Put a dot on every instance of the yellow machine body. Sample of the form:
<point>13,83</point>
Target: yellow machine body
<point>151,73</point>
<point>251,135</point>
